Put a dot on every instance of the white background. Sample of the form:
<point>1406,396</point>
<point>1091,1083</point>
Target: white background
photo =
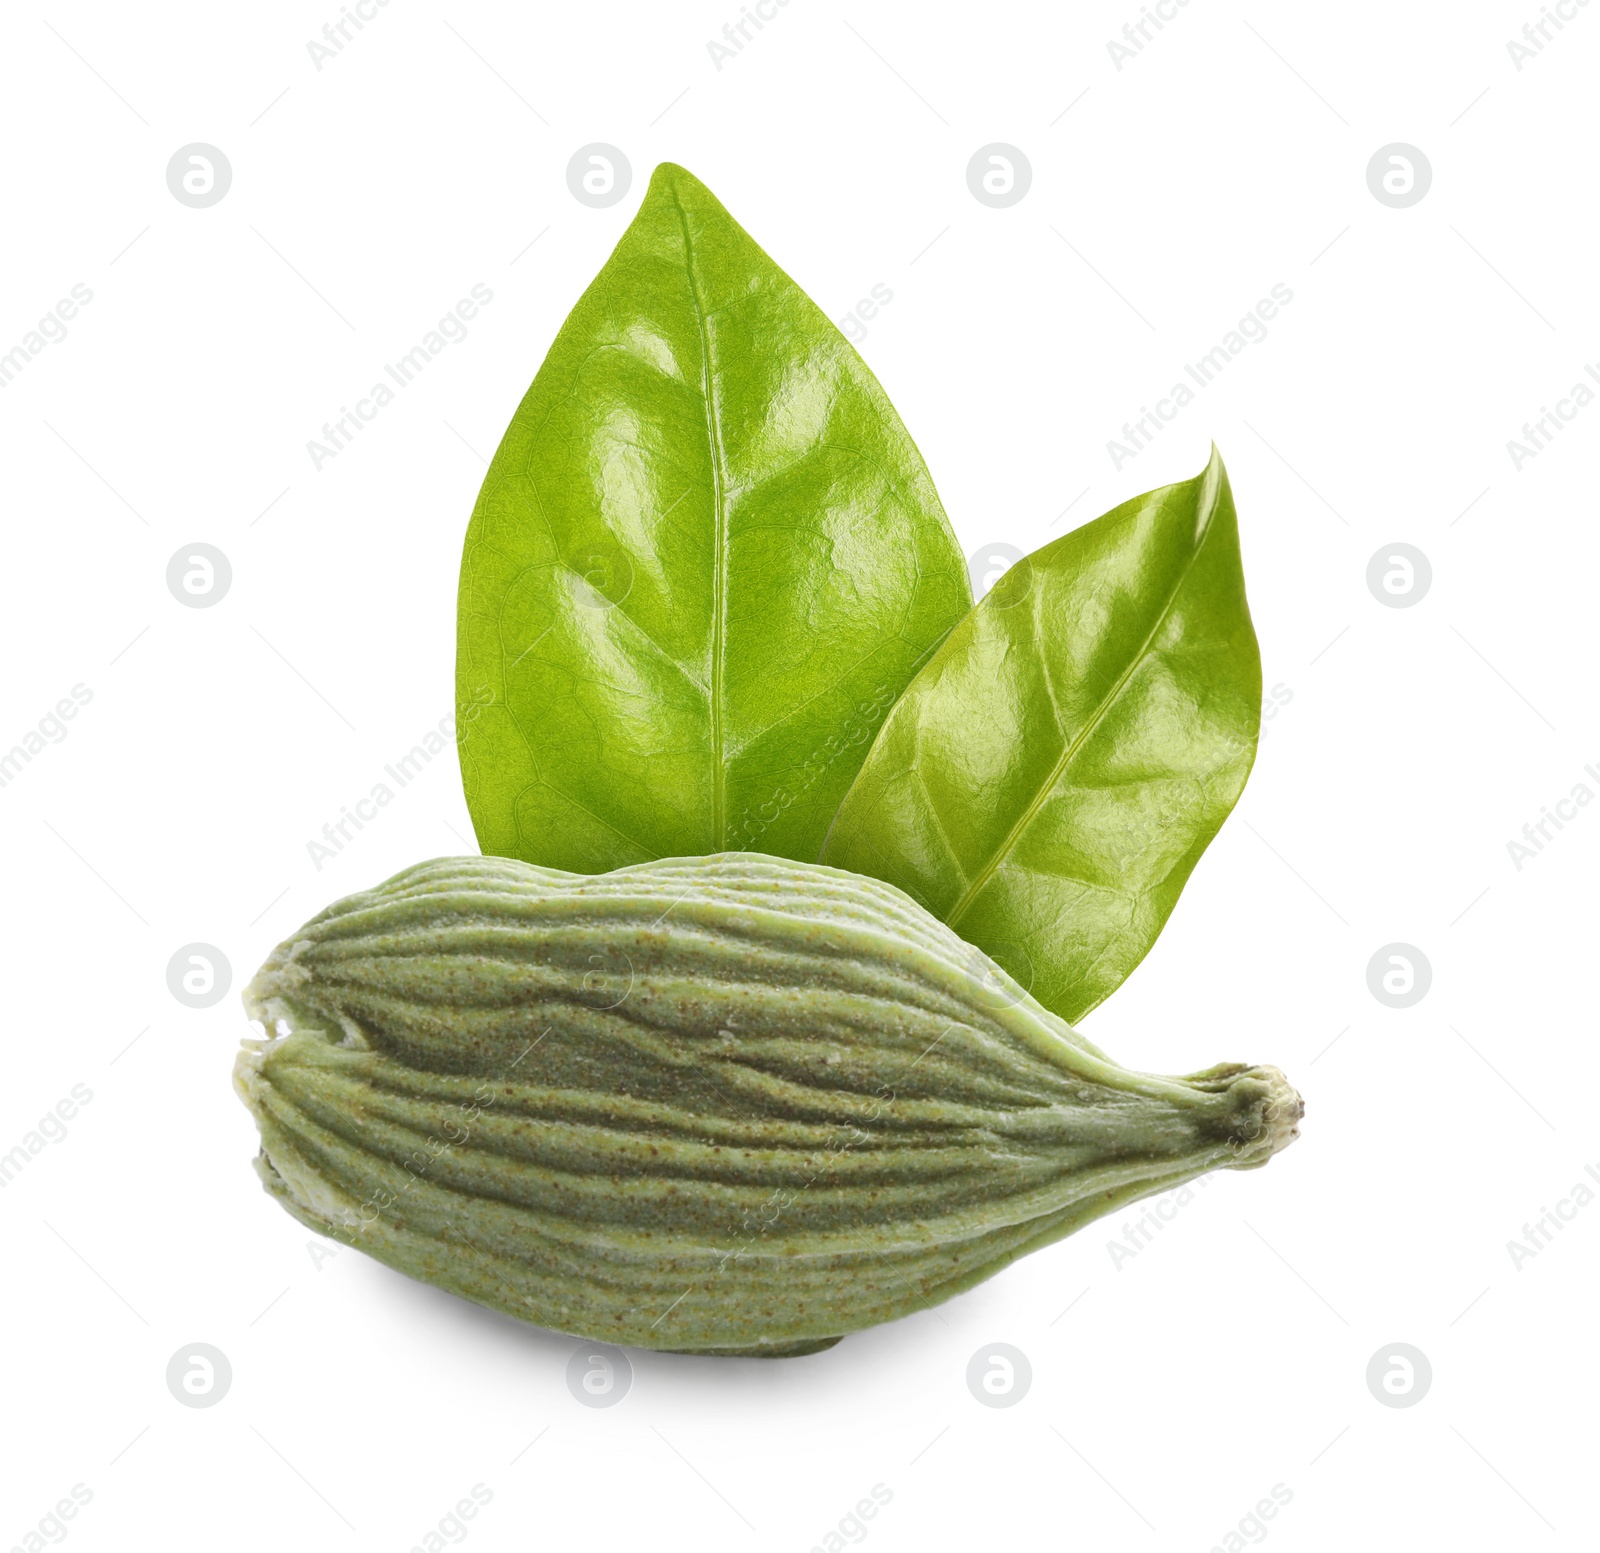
<point>1228,156</point>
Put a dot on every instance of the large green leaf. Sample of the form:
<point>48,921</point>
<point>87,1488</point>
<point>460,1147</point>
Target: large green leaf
<point>705,561</point>
<point>1050,779</point>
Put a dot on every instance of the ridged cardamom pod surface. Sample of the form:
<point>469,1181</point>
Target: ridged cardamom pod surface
<point>723,1104</point>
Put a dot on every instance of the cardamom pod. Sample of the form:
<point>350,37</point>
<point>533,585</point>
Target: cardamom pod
<point>724,1104</point>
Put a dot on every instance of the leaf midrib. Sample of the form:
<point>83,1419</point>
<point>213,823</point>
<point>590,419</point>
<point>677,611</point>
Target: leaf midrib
<point>1070,753</point>
<point>719,592</point>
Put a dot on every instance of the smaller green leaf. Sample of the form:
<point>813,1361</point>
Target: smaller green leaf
<point>1048,781</point>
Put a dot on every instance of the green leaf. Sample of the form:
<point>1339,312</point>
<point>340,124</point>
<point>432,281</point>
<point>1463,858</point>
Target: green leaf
<point>1050,779</point>
<point>706,559</point>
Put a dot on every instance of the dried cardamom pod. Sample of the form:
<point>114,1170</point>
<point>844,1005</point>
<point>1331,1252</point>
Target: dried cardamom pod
<point>724,1104</point>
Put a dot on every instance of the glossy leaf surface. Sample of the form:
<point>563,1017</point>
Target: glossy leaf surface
<point>1049,780</point>
<point>706,559</point>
